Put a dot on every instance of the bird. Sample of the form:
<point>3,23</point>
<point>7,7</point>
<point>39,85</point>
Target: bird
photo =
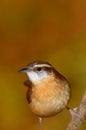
<point>48,90</point>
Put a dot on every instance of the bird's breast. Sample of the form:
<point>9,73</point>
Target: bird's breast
<point>49,97</point>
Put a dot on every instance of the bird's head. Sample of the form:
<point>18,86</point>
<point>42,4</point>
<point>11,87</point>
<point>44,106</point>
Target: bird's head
<point>38,70</point>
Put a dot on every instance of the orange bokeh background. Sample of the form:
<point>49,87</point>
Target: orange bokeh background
<point>53,31</point>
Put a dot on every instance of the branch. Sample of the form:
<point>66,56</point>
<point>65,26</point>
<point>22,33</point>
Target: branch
<point>78,115</point>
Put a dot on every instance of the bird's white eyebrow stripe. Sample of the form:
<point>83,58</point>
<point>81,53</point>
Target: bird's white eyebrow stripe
<point>42,65</point>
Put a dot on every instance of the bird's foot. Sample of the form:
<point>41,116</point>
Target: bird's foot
<point>75,114</point>
<point>40,121</point>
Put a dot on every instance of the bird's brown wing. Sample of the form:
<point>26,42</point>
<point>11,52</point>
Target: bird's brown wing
<point>27,83</point>
<point>29,91</point>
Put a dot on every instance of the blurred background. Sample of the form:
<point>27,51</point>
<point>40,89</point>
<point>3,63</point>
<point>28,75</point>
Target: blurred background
<point>48,30</point>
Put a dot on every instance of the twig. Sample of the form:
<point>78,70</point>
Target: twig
<point>78,115</point>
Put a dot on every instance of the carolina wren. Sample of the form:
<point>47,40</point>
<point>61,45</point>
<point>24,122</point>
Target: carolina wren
<point>48,90</point>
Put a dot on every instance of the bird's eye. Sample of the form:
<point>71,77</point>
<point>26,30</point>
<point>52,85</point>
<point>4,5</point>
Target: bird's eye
<point>39,69</point>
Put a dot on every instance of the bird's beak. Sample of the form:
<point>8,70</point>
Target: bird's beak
<point>23,70</point>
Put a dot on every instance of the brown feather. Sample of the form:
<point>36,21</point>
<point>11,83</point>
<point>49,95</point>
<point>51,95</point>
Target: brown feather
<point>29,91</point>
